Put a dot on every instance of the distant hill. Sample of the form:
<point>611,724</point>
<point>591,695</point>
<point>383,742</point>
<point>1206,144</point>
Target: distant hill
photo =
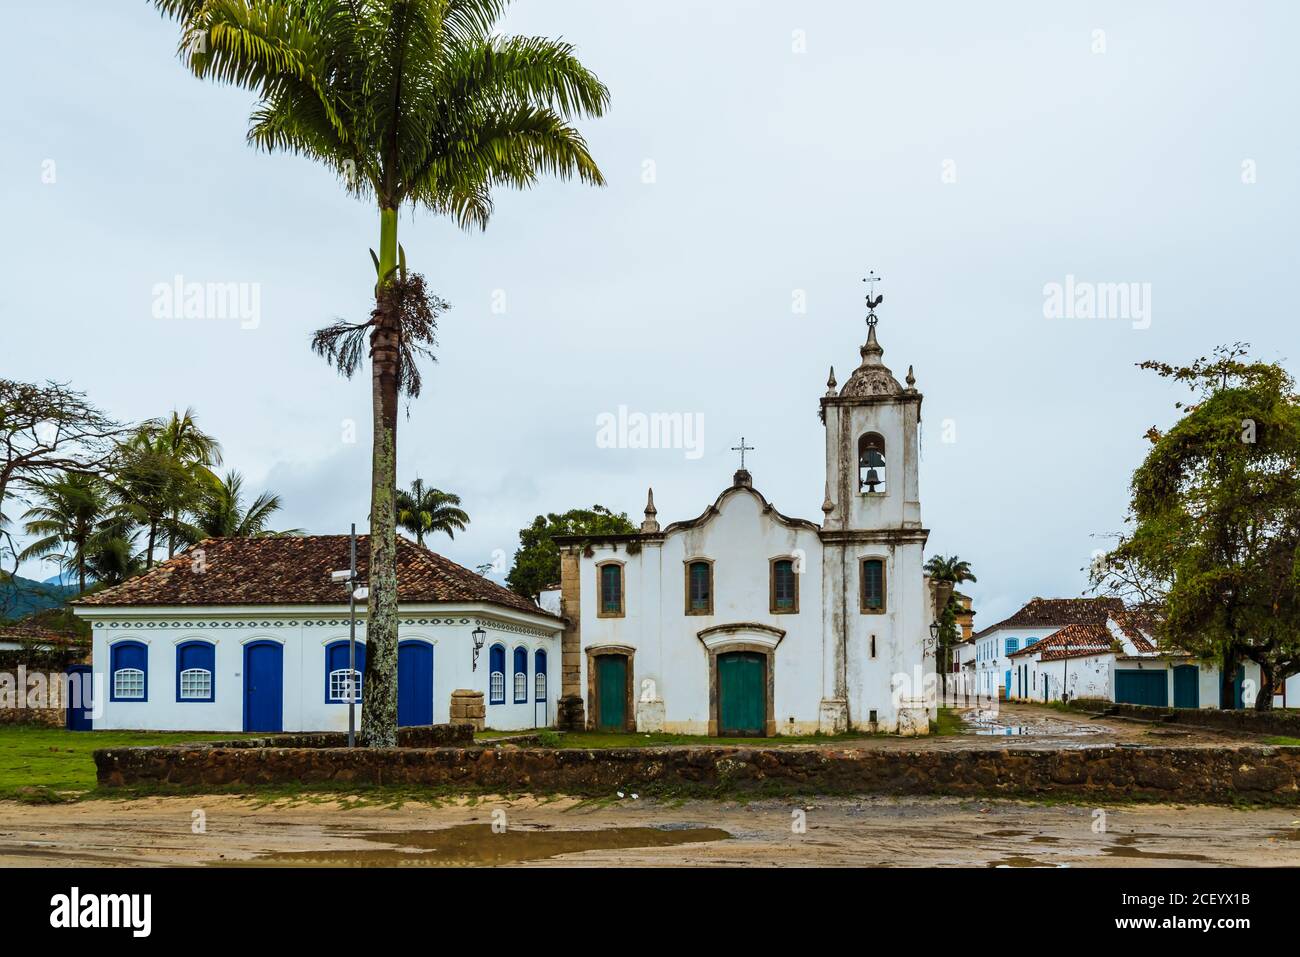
<point>21,596</point>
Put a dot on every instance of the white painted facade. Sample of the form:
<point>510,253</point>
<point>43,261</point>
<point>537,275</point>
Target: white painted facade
<point>304,632</point>
<point>994,671</point>
<point>832,664</point>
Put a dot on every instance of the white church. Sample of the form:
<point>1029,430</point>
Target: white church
<point>744,621</point>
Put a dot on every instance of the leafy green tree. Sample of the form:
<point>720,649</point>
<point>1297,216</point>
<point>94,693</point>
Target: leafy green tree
<point>1215,518</point>
<point>415,102</point>
<point>72,518</point>
<point>46,428</point>
<point>222,513</point>
<point>537,560</point>
<point>426,511</point>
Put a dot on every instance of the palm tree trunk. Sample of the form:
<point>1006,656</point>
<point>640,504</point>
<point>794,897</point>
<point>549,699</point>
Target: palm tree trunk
<point>379,688</point>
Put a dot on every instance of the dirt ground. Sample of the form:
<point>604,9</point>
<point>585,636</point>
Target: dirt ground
<point>881,832</point>
<point>629,831</point>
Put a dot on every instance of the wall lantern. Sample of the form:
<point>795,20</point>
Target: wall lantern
<point>479,636</point>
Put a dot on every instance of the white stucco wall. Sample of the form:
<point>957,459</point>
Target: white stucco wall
<point>671,662</point>
<point>304,633</point>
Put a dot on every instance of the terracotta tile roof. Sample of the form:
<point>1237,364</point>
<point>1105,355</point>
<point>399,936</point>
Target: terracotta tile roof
<point>1058,612</point>
<point>1073,641</point>
<point>29,631</point>
<point>295,570</point>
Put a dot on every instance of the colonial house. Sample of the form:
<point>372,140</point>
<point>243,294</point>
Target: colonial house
<point>252,635</point>
<point>995,670</point>
<point>745,621</point>
<point>1120,660</point>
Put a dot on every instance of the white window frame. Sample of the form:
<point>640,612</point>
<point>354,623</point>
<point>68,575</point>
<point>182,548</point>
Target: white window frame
<point>202,691</point>
<point>133,673</point>
<point>497,688</point>
<point>521,687</point>
<point>338,686</point>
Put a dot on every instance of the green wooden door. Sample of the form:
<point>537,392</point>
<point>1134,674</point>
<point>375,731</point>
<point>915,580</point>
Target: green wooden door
<point>1141,687</point>
<point>742,694</point>
<point>611,693</point>
<point>1187,686</point>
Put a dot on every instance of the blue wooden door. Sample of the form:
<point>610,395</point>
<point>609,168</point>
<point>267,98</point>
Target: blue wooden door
<point>263,686</point>
<point>1007,692</point>
<point>414,683</point>
<point>80,698</point>
<point>1187,686</point>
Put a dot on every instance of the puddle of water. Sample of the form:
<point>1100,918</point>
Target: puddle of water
<point>1021,862</point>
<point>477,844</point>
<point>1126,847</point>
<point>998,729</point>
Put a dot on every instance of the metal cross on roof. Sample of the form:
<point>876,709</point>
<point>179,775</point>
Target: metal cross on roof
<point>742,448</point>
<point>872,302</point>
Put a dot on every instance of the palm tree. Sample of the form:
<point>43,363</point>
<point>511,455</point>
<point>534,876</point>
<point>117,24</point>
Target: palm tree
<point>193,451</point>
<point>424,511</point>
<point>71,518</point>
<point>951,572</point>
<point>950,569</point>
<point>222,513</point>
<point>411,102</point>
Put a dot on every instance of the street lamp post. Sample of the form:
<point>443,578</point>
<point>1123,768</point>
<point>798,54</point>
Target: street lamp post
<point>356,591</point>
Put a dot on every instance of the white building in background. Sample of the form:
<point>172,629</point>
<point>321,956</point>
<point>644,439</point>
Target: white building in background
<point>995,670</point>
<point>252,635</point>
<point>745,621</point>
<point>1120,660</point>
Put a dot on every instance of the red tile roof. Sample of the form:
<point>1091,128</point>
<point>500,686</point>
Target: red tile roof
<point>1059,612</point>
<point>24,631</point>
<point>295,570</point>
<point>1073,641</point>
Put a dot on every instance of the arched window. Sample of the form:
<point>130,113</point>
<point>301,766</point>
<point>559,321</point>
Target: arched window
<point>873,585</point>
<point>130,667</point>
<point>539,675</point>
<point>195,668</point>
<point>871,463</point>
<point>785,587</point>
<point>339,680</point>
<point>610,596</point>
<point>521,675</point>
<point>699,588</point>
<point>497,675</point>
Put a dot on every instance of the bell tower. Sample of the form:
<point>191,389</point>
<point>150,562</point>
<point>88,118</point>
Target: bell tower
<point>873,584</point>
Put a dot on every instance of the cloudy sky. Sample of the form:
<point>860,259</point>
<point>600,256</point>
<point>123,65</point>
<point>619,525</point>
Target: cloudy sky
<point>761,158</point>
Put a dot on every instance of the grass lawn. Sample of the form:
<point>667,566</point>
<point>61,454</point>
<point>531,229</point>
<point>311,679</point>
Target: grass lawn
<point>50,764</point>
<point>949,722</point>
<point>1290,742</point>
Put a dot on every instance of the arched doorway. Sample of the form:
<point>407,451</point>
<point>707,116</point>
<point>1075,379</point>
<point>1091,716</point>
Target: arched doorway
<point>263,686</point>
<point>414,683</point>
<point>610,704</point>
<point>742,694</point>
<point>742,679</point>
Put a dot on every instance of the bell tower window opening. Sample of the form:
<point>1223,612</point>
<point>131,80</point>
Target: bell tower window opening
<point>871,463</point>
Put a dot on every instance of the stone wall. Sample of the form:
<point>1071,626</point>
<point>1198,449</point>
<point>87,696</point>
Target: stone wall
<point>32,695</point>
<point>467,708</point>
<point>1282,723</point>
<point>1211,775</point>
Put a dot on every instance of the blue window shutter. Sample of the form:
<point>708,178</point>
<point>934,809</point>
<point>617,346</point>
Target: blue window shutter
<point>130,655</point>
<point>539,674</point>
<point>497,674</point>
<point>521,667</point>
<point>200,655</point>
<point>336,659</point>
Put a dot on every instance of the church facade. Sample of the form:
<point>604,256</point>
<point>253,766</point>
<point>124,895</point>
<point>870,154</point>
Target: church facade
<point>743,621</point>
